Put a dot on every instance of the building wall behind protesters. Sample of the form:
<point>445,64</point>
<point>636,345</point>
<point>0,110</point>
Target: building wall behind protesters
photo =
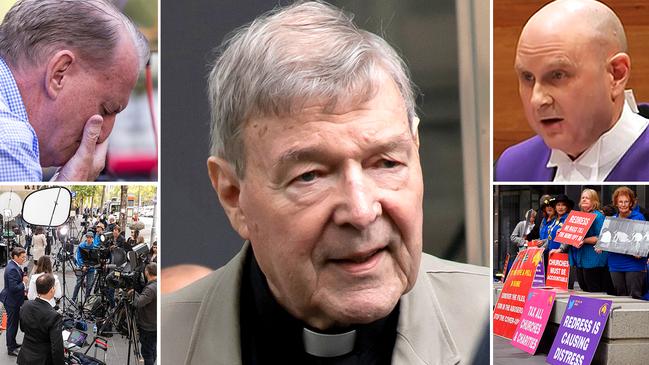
<point>194,227</point>
<point>509,17</point>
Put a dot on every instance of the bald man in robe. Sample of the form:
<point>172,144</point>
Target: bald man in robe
<point>572,67</point>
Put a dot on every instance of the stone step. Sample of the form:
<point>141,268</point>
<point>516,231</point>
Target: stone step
<point>625,339</point>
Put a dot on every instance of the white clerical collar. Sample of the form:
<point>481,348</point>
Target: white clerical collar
<point>51,302</point>
<point>327,345</point>
<point>599,159</point>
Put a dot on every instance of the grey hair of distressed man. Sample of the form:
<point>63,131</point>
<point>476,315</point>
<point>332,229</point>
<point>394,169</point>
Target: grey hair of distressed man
<point>32,30</point>
<point>292,55</point>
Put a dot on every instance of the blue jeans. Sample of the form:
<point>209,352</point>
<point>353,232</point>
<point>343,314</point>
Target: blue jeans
<point>89,275</point>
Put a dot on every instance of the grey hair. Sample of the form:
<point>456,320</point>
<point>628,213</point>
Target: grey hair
<point>292,55</point>
<point>34,29</point>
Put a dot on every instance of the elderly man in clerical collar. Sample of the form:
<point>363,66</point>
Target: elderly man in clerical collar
<point>315,161</point>
<point>572,66</point>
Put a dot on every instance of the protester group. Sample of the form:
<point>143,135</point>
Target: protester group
<point>594,269</point>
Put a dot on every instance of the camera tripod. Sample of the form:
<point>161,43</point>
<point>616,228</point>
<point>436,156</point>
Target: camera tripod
<point>98,281</point>
<point>62,256</point>
<point>122,312</point>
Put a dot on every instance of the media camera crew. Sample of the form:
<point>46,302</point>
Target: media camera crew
<point>118,238</point>
<point>42,325</point>
<point>88,273</point>
<point>134,240</point>
<point>99,230</point>
<point>111,223</point>
<point>114,239</point>
<point>145,304</point>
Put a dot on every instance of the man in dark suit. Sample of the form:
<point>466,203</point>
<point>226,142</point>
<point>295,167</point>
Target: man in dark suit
<point>43,343</point>
<point>13,296</point>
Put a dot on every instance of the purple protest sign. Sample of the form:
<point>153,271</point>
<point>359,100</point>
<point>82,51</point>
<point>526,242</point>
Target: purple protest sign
<point>539,276</point>
<point>534,319</point>
<point>580,331</point>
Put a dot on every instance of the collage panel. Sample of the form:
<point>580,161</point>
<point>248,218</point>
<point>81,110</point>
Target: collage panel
<point>79,85</point>
<point>570,106</point>
<point>316,218</point>
<point>79,268</point>
<point>572,266</point>
<point>570,91</point>
<point>78,105</point>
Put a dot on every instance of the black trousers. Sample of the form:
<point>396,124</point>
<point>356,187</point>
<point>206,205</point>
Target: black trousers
<point>148,345</point>
<point>597,279</point>
<point>629,283</point>
<point>13,317</point>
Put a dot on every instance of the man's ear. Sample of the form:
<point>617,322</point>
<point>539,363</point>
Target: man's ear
<point>58,72</point>
<point>226,184</point>
<point>619,66</point>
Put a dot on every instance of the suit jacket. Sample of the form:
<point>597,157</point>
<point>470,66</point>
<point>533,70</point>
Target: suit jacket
<point>13,294</point>
<point>527,161</point>
<point>43,341</point>
<point>442,320</point>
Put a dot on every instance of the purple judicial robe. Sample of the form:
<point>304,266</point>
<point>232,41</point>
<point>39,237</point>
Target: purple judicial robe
<point>527,161</point>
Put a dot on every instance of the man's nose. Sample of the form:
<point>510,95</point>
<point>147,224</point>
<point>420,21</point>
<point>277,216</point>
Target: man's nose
<point>540,96</point>
<point>358,204</point>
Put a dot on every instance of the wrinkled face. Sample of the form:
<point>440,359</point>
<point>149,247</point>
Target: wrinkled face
<point>623,204</point>
<point>565,89</point>
<point>585,202</point>
<point>89,91</point>
<point>333,208</point>
<point>561,208</point>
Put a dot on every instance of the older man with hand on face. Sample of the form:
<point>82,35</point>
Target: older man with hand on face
<point>67,68</point>
<point>572,66</point>
<point>315,161</point>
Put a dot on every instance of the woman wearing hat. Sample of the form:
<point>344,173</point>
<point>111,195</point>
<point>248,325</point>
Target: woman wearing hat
<point>562,206</point>
<point>628,272</point>
<point>549,215</point>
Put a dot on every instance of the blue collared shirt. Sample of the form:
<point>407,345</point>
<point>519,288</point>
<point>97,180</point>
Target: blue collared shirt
<point>19,155</point>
